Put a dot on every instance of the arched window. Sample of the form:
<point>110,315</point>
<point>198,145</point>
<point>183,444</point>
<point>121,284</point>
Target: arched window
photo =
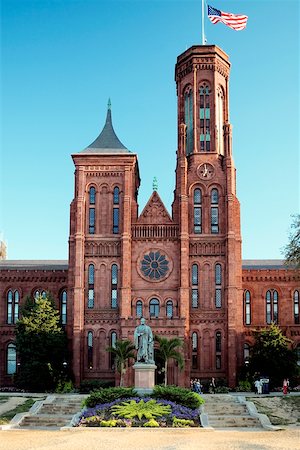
<point>197,211</point>
<point>116,210</point>
<point>91,286</point>
<point>139,309</point>
<point>169,309</point>
<point>246,352</point>
<point>11,359</point>
<point>114,286</point>
<point>271,306</point>
<point>218,286</point>
<point>220,120</point>
<point>92,195</point>
<point>194,350</point>
<point>195,286</point>
<point>90,345</point>
<point>154,308</point>
<point>63,307</point>
<point>218,340</point>
<point>37,294</point>
<point>205,133</point>
<point>296,307</point>
<point>247,308</point>
<point>113,340</point>
<point>214,211</point>
<point>188,120</point>
<point>10,307</point>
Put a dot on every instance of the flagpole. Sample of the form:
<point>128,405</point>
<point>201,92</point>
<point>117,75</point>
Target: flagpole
<point>203,34</point>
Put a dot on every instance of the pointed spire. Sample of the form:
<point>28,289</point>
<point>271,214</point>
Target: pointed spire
<point>107,141</point>
<point>155,184</point>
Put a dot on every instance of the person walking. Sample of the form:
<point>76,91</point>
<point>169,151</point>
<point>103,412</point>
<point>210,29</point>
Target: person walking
<point>285,386</point>
<point>213,385</point>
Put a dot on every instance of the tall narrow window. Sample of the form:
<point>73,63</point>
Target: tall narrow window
<point>91,286</point>
<point>39,294</point>
<point>214,211</point>
<point>296,307</point>
<point>113,341</point>
<point>169,309</point>
<point>271,306</point>
<point>246,352</point>
<point>90,352</point>
<point>154,308</point>
<point>63,307</point>
<point>114,286</point>
<point>220,120</point>
<point>116,210</point>
<point>11,359</point>
<point>194,350</point>
<point>188,119</point>
<point>204,113</point>
<point>139,309</point>
<point>16,306</point>
<point>12,307</point>
<point>218,340</point>
<point>247,308</point>
<point>197,211</point>
<point>218,286</point>
<point>92,220</point>
<point>92,196</point>
<point>195,286</point>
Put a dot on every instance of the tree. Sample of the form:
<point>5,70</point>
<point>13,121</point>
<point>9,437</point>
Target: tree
<point>292,249</point>
<point>122,352</point>
<point>271,355</point>
<point>168,349</point>
<point>41,345</point>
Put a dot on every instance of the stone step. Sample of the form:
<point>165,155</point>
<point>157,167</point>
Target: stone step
<point>232,410</point>
<point>55,409</point>
<point>44,421</point>
<point>233,421</point>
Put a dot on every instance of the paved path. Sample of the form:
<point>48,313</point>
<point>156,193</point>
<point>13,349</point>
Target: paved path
<point>132,439</point>
<point>11,403</point>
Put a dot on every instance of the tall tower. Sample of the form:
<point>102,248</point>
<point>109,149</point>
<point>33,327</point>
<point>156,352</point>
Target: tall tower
<point>104,205</point>
<point>208,213</point>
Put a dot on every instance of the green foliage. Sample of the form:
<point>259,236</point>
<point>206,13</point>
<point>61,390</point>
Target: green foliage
<point>149,410</point>
<point>168,349</point>
<point>88,386</point>
<point>178,395</point>
<point>151,423</point>
<point>108,395</point>
<point>122,352</point>
<point>41,345</point>
<point>182,423</point>
<point>108,423</point>
<point>64,387</point>
<point>24,407</point>
<point>244,386</point>
<point>271,355</point>
<point>222,390</point>
<point>292,249</point>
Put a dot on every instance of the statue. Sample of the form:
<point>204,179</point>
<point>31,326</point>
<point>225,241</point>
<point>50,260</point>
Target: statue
<point>143,341</point>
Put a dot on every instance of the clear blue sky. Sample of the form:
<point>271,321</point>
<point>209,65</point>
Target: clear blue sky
<point>61,60</point>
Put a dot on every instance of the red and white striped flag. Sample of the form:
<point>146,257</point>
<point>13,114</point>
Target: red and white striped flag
<point>235,21</point>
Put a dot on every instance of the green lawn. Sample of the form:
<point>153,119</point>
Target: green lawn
<point>3,399</point>
<point>6,417</point>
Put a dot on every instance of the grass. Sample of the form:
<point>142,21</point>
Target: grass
<point>6,417</point>
<point>3,399</point>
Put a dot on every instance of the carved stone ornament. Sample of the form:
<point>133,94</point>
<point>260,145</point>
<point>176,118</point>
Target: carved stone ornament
<point>154,265</point>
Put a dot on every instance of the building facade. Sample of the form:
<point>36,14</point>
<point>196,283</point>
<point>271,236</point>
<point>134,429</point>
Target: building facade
<point>183,272</point>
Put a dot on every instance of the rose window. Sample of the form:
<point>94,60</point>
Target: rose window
<point>154,265</point>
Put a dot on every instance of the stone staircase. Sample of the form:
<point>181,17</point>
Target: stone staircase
<point>225,411</point>
<point>55,412</point>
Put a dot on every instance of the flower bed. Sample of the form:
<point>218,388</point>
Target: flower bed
<point>140,412</point>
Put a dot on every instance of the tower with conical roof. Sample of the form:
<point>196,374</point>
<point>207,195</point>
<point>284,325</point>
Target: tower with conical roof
<point>104,205</point>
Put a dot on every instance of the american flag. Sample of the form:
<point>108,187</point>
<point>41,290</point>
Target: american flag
<point>235,21</point>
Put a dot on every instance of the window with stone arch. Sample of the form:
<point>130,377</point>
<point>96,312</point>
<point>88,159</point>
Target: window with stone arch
<point>92,195</point>
<point>91,286</point>
<point>246,352</point>
<point>11,359</point>
<point>194,350</point>
<point>195,285</point>
<point>218,344</point>
<point>92,210</point>
<point>247,307</point>
<point>114,286</point>
<point>272,306</point>
<point>296,307</point>
<point>39,293</point>
<point>214,211</point>
<point>189,120</point>
<point>139,309</point>
<point>63,307</point>
<point>218,285</point>
<point>169,309</point>
<point>113,341</point>
<point>204,114</point>
<point>116,210</point>
<point>197,211</point>
<point>154,308</point>
<point>90,350</point>
<point>220,119</point>
<point>13,298</point>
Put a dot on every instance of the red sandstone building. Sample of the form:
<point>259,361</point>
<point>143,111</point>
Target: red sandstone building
<point>182,272</point>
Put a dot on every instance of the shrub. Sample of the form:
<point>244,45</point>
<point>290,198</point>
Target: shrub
<point>222,390</point>
<point>244,386</point>
<point>64,387</point>
<point>151,423</point>
<point>182,423</point>
<point>179,395</point>
<point>148,409</point>
<point>88,386</point>
<point>108,395</point>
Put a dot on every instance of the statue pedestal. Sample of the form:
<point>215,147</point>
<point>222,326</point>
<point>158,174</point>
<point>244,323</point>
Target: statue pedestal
<point>144,376</point>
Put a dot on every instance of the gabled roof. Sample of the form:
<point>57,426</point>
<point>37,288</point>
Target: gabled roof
<point>107,141</point>
<point>154,212</point>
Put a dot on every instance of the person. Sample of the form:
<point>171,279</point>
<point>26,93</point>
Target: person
<point>213,385</point>
<point>192,384</point>
<point>285,386</point>
<point>143,341</point>
<point>258,386</point>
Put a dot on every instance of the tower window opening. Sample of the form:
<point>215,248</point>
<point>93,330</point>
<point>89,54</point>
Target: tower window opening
<point>114,286</point>
<point>204,114</point>
<point>92,195</point>
<point>188,119</point>
<point>296,307</point>
<point>197,211</point>
<point>271,306</point>
<point>139,309</point>
<point>214,211</point>
<point>247,308</point>
<point>194,350</point>
<point>92,218</point>
<point>218,342</point>
<point>91,286</point>
<point>169,309</point>
<point>63,307</point>
<point>154,308</point>
<point>195,286</point>
<point>90,347</point>
<point>218,286</point>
